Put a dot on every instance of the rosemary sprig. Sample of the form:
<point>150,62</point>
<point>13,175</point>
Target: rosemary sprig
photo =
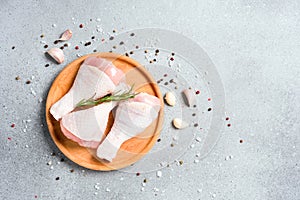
<point>117,96</point>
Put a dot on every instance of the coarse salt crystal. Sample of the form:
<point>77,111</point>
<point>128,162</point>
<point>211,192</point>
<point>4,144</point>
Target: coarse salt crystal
<point>107,190</point>
<point>196,161</point>
<point>33,92</point>
<point>158,174</point>
<point>175,137</point>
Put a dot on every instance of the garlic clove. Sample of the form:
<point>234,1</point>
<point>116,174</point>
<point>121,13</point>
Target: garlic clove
<point>66,35</point>
<point>170,99</point>
<point>189,97</point>
<point>179,124</point>
<point>57,54</point>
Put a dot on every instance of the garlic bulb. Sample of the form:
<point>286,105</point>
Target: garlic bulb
<point>170,99</point>
<point>66,35</point>
<point>57,54</point>
<point>189,97</point>
<point>179,124</point>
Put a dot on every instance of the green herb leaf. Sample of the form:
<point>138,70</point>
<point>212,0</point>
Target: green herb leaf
<point>117,96</point>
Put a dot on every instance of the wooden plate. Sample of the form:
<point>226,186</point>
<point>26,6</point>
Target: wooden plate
<point>133,149</point>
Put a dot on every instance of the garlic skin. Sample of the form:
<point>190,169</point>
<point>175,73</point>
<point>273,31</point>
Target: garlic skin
<point>57,54</point>
<point>179,124</point>
<point>66,35</point>
<point>189,97</point>
<point>170,99</point>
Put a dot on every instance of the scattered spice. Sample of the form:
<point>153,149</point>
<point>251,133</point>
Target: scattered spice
<point>66,45</point>
<point>114,31</point>
<point>53,154</point>
<point>71,170</point>
<point>111,37</point>
<point>209,109</point>
<point>131,34</point>
<point>145,51</point>
<point>114,47</point>
<point>81,26</point>
<point>137,174</point>
<point>197,92</point>
<point>121,43</point>
<point>209,99</point>
<point>227,118</point>
<point>166,83</point>
<point>194,114</point>
<point>165,75</point>
<point>93,37</point>
<point>126,54</point>
<point>195,106</point>
<point>42,36</point>
<point>13,47</point>
<point>12,125</point>
<point>172,59</point>
<point>241,141</point>
<point>195,125</point>
<point>156,51</point>
<point>228,125</point>
<point>87,43</point>
<point>76,47</point>
<point>46,46</point>
<point>56,42</point>
<point>17,78</point>
<point>62,47</point>
<point>154,60</point>
<point>173,54</point>
<point>136,46</point>
<point>35,196</point>
<point>62,160</point>
<point>150,61</point>
<point>131,52</point>
<point>28,82</point>
<point>9,138</point>
<point>57,178</point>
<point>158,140</point>
<point>145,180</point>
<point>172,145</point>
<point>95,50</point>
<point>180,162</point>
<point>102,39</point>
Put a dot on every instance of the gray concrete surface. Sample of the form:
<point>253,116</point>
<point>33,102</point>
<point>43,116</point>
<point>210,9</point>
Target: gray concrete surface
<point>255,46</point>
